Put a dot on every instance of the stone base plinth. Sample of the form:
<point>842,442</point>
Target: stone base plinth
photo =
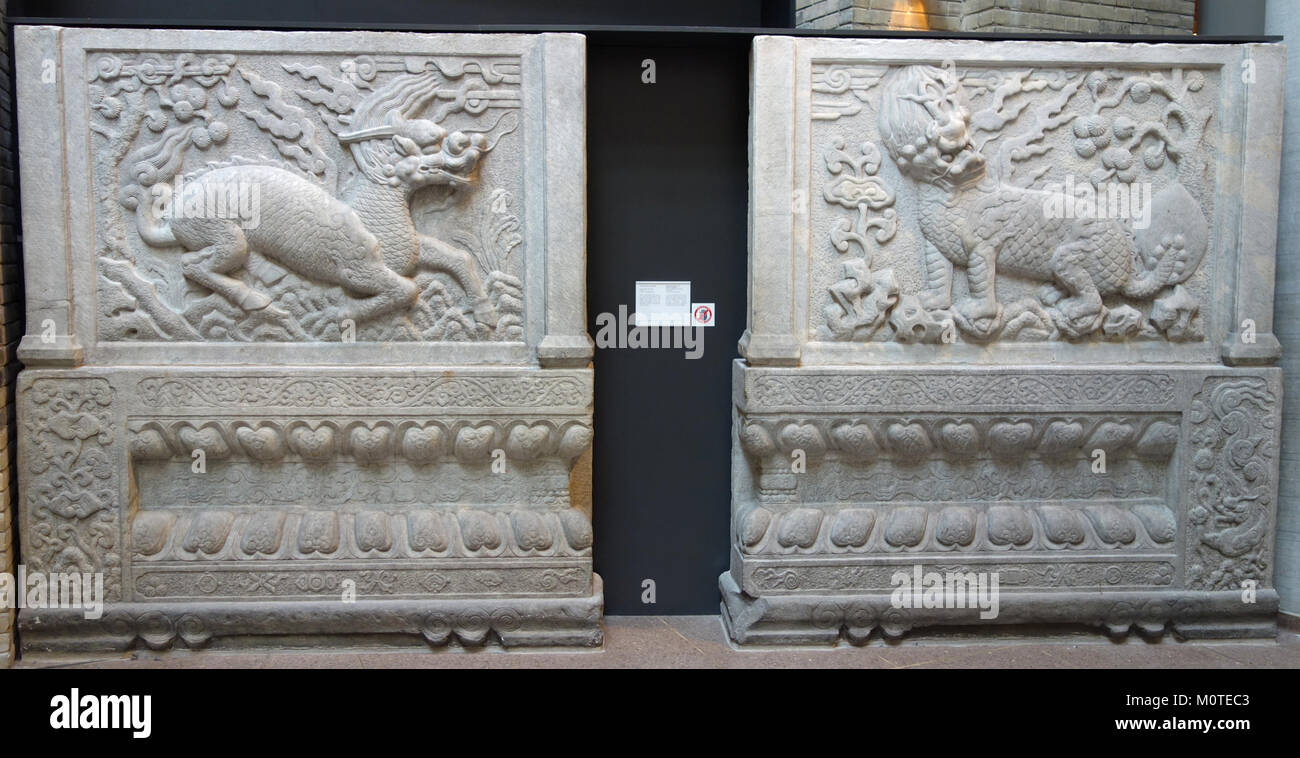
<point>507,622</point>
<point>265,505</point>
<point>879,501</point>
<point>826,619</point>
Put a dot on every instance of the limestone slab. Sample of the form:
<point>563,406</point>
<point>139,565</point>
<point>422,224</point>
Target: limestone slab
<point>1011,316</point>
<point>306,352</point>
<point>858,204</point>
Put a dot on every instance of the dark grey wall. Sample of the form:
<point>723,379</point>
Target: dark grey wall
<point>1234,17</point>
<point>413,14</point>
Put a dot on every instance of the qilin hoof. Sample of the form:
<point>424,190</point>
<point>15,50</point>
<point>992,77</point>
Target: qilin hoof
<point>485,314</point>
<point>254,301</point>
<point>1078,318</point>
<point>978,319</point>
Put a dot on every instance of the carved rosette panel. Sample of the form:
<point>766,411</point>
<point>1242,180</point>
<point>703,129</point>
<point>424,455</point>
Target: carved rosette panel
<point>1230,485</point>
<point>72,512</point>
<point>968,202</point>
<point>260,197</point>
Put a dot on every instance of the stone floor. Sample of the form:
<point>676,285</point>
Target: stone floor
<point>699,642</point>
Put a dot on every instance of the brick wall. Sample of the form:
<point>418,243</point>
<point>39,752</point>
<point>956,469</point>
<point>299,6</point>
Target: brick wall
<point>1066,16</point>
<point>879,14</point>
<point>11,318</point>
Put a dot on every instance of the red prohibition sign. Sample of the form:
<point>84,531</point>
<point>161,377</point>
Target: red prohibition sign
<point>703,314</point>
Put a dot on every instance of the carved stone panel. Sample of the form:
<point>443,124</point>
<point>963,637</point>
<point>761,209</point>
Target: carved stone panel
<point>251,194</point>
<point>1002,297</point>
<point>1072,202</point>
<point>311,357</point>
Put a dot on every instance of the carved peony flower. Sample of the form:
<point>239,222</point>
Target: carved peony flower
<point>1120,160</point>
<point>1096,82</point>
<point>1141,92</point>
<point>156,120</point>
<point>187,101</point>
<point>218,131</point>
<point>1124,127</point>
<point>72,426</point>
<point>106,106</point>
<point>1092,133</point>
<point>195,96</point>
<point>1093,127</point>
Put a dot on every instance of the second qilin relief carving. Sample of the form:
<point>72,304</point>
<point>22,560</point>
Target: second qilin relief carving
<point>258,198</point>
<point>993,204</point>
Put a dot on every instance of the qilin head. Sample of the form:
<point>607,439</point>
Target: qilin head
<point>392,146</point>
<point>925,124</point>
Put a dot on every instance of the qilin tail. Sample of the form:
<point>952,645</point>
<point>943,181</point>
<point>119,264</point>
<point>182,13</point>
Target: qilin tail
<point>1170,248</point>
<point>149,166</point>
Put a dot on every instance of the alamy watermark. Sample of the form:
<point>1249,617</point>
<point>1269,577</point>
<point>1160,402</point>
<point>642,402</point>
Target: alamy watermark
<point>237,201</point>
<point>1114,200</point>
<point>623,332</point>
<point>953,589</point>
<point>77,711</point>
<point>83,591</point>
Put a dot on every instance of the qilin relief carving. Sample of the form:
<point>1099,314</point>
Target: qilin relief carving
<point>268,199</point>
<point>1072,201</point>
<point>72,486</point>
<point>1230,518</point>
